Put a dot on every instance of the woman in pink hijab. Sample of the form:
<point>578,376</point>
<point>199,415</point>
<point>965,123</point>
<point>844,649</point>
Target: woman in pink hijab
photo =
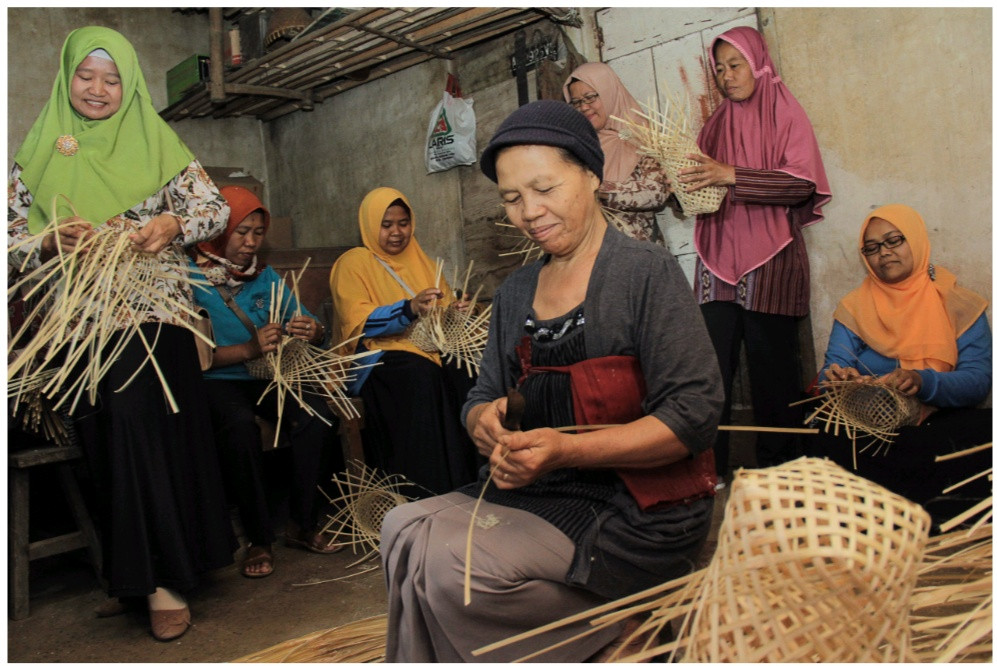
<point>752,272</point>
<point>634,187</point>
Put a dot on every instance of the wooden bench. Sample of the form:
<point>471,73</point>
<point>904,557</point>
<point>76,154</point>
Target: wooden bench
<point>22,551</point>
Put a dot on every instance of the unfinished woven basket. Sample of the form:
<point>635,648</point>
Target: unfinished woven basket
<point>864,410</point>
<point>364,496</point>
<point>668,137</point>
<point>454,333</point>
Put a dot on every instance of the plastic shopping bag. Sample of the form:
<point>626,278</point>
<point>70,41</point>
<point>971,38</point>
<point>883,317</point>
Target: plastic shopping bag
<point>450,140</point>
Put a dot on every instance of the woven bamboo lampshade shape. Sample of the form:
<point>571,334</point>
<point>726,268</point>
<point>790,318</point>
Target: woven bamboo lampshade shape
<point>812,564</point>
<point>456,334</point>
<point>668,137</point>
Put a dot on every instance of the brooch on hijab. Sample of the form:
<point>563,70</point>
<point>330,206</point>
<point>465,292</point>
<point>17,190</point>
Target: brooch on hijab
<point>931,272</point>
<point>67,145</point>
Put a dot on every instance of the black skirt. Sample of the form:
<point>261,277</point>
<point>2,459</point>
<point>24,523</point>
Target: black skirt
<point>412,423</point>
<point>160,502</point>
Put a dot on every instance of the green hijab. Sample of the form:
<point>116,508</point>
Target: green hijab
<point>120,161</point>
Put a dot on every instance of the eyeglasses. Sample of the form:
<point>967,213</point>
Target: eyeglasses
<point>872,247</point>
<point>588,99</point>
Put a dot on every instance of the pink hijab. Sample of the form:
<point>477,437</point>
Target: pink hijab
<point>770,131</point>
<point>621,156</point>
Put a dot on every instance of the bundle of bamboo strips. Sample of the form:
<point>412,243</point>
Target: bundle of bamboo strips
<point>668,136</point>
<point>365,495</point>
<point>360,642</point>
<point>88,305</point>
<point>35,410</point>
<point>458,334</point>
<point>297,368</point>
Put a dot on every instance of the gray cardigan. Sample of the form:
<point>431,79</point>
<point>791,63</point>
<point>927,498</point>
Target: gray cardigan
<point>639,304</point>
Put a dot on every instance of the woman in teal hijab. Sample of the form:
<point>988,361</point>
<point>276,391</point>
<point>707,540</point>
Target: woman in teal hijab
<point>100,154</point>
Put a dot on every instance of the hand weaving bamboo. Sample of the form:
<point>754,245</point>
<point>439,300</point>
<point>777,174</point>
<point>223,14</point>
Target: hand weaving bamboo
<point>85,311</point>
<point>668,137</point>
<point>297,367</point>
<point>454,333</point>
<point>864,410</point>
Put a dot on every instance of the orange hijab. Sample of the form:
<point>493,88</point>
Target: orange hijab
<point>916,320</point>
<point>360,283</point>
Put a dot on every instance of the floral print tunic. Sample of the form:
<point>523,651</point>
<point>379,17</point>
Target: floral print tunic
<point>634,202</point>
<point>203,213</point>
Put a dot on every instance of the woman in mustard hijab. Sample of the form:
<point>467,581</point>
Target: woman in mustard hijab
<point>99,144</point>
<point>910,326</point>
<point>412,401</point>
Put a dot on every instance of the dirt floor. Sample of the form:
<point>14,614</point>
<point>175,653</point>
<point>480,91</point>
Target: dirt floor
<point>232,616</point>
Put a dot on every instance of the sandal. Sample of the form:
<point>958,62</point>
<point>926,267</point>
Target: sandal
<point>256,556</point>
<point>313,541</point>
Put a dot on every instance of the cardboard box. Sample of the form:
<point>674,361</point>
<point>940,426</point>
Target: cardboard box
<point>183,76</point>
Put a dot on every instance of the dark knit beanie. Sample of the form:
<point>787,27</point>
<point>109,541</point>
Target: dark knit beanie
<point>547,123</point>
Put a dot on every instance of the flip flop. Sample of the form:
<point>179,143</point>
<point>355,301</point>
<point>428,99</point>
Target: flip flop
<point>313,542</point>
<point>256,555</point>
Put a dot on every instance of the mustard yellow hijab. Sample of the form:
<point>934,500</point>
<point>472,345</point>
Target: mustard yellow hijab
<point>360,283</point>
<point>917,320</point>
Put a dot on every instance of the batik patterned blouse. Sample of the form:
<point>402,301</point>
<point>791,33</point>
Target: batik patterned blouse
<point>195,199</point>
<point>636,200</point>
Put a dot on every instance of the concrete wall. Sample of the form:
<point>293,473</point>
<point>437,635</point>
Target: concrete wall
<point>324,162</point>
<point>161,37</point>
<point>901,101</point>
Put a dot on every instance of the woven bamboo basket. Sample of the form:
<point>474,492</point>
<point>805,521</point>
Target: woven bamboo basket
<point>363,497</point>
<point>668,137</point>
<point>865,410</point>
<point>455,334</point>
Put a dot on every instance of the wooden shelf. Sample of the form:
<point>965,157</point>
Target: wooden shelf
<point>364,45</point>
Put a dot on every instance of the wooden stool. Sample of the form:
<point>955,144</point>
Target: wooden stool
<point>21,550</point>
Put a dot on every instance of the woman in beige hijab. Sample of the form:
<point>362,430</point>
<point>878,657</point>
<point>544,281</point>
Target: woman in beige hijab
<point>634,187</point>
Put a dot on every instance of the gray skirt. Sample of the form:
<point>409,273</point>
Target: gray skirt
<point>519,563</point>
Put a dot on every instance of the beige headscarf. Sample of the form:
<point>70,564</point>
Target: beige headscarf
<point>621,156</point>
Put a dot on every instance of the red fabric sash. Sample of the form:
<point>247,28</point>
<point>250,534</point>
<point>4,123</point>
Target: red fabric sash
<point>609,390</point>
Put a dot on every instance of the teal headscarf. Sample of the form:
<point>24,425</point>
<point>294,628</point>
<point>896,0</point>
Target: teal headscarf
<point>120,161</point>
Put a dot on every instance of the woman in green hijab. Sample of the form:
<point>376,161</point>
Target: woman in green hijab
<point>100,145</point>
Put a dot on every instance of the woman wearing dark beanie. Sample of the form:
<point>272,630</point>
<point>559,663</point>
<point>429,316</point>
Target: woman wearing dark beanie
<point>602,330</point>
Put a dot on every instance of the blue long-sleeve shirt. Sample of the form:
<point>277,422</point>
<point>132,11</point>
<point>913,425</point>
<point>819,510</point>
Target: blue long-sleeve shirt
<point>254,300</point>
<point>384,320</point>
<point>966,385</point>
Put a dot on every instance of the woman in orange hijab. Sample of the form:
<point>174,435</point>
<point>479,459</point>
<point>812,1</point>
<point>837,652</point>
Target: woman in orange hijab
<point>412,400</point>
<point>910,326</point>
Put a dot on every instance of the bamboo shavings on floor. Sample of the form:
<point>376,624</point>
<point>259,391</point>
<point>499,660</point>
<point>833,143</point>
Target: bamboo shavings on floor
<point>458,334</point>
<point>364,497</point>
<point>102,291</point>
<point>668,136</point>
<point>297,367</point>
<point>363,641</point>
